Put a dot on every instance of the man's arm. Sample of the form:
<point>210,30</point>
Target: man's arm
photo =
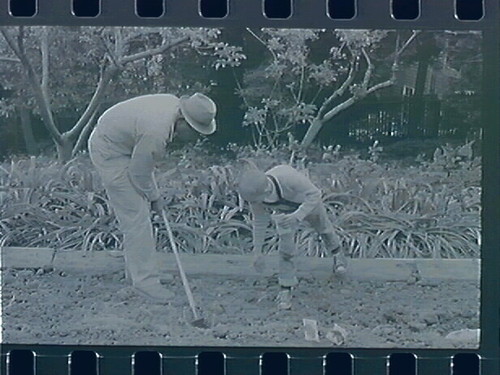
<point>147,152</point>
<point>312,200</point>
<point>301,185</point>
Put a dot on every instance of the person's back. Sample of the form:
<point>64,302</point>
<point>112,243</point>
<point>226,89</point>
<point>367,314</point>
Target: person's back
<point>123,125</point>
<point>293,187</point>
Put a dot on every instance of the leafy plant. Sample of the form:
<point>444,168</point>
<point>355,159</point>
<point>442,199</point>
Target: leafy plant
<point>379,208</point>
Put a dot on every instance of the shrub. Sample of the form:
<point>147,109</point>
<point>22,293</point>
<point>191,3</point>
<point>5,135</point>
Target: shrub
<point>379,209</point>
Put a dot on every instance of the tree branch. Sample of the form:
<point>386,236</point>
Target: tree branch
<point>153,51</point>
<point>380,85</point>
<point>9,59</point>
<point>107,75</point>
<point>110,53</point>
<point>414,34</point>
<point>262,41</point>
<point>84,133</point>
<point>341,90</point>
<point>395,65</point>
<point>369,69</point>
<point>338,108</point>
<point>94,102</point>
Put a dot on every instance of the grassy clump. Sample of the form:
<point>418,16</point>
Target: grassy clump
<point>430,208</point>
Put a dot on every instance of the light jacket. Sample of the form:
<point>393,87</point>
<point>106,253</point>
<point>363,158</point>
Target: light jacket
<point>140,128</point>
<point>295,187</point>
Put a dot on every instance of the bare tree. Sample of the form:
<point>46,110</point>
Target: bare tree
<point>329,108</point>
<point>115,50</point>
<point>293,89</point>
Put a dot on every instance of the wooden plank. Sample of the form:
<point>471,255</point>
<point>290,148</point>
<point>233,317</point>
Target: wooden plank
<point>456,269</point>
<point>359,269</point>
<point>89,262</point>
<point>241,265</point>
<point>26,257</point>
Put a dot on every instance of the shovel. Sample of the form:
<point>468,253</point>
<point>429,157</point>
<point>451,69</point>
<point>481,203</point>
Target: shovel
<point>198,321</point>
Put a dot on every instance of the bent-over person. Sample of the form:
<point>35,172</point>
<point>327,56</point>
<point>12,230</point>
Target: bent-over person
<point>291,197</point>
<point>127,142</point>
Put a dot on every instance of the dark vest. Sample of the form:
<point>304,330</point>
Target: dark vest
<point>281,204</point>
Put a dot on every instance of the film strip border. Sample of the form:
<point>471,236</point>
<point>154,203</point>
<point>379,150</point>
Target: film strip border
<point>457,14</point>
<point>414,14</point>
<point>111,361</point>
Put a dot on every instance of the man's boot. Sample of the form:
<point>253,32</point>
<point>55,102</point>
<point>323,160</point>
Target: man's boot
<point>339,263</point>
<point>332,243</point>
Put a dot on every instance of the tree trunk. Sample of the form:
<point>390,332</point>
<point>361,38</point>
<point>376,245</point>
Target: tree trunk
<point>64,150</point>
<point>29,139</point>
<point>312,132</point>
<point>319,121</point>
<point>81,142</point>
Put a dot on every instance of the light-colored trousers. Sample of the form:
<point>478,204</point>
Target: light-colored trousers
<point>132,210</point>
<point>319,221</point>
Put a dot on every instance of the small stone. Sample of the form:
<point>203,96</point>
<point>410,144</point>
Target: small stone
<point>251,299</point>
<point>48,268</point>
<point>430,318</point>
<point>412,279</point>
<point>220,332</point>
<point>389,316</point>
<point>416,326</point>
<point>429,283</point>
<point>217,308</point>
<point>337,335</point>
<point>384,329</point>
<point>325,306</point>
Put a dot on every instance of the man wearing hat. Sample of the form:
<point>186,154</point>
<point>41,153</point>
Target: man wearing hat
<point>293,198</point>
<point>128,140</point>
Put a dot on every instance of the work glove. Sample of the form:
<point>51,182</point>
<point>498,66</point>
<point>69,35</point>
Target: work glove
<point>157,206</point>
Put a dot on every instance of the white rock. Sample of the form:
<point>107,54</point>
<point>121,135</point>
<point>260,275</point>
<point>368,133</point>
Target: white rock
<point>464,336</point>
<point>337,335</point>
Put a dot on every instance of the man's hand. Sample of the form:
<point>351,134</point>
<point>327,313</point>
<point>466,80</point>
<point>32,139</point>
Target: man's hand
<point>157,206</point>
<point>287,221</point>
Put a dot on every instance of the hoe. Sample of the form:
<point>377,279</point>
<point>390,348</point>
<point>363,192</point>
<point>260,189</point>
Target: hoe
<point>198,321</point>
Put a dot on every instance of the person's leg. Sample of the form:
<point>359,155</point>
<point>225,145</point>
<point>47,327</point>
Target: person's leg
<point>320,222</point>
<point>286,247</point>
<point>133,214</point>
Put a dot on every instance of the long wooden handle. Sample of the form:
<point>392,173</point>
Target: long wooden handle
<point>179,265</point>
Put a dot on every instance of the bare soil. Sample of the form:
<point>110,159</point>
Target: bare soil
<point>82,307</point>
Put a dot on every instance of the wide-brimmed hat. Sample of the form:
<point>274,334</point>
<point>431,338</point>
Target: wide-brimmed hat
<point>199,111</point>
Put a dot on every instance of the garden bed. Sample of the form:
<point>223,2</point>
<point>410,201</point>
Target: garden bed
<point>84,299</point>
